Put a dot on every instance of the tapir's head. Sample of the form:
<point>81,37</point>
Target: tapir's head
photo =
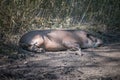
<point>94,42</point>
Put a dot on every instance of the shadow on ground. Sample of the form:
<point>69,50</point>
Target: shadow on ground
<point>96,64</point>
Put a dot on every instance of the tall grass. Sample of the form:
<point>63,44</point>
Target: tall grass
<point>19,16</point>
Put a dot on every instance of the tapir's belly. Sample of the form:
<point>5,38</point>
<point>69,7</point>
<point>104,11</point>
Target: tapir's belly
<point>54,46</point>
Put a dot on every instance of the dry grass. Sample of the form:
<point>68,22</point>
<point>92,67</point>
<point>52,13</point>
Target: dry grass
<point>20,16</point>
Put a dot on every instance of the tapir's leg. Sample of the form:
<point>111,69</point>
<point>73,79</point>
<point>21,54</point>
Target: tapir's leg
<point>34,48</point>
<point>73,46</point>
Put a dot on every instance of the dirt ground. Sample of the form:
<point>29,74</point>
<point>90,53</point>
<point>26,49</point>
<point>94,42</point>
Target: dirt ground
<point>102,63</point>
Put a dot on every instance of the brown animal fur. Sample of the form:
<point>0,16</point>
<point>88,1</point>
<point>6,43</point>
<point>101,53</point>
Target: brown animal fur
<point>56,40</point>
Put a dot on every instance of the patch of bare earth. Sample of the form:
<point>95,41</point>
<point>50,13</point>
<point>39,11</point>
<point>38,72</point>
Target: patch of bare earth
<point>96,64</point>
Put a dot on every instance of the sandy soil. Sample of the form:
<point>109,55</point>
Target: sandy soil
<point>102,63</point>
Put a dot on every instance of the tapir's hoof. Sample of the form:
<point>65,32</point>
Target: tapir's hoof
<point>40,50</point>
<point>79,53</point>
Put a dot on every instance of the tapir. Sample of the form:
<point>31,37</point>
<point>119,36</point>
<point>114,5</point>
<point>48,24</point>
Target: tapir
<point>57,40</point>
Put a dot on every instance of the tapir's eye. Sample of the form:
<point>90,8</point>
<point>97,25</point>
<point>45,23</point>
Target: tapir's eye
<point>95,40</point>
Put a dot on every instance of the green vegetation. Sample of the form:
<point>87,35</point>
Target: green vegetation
<point>19,16</point>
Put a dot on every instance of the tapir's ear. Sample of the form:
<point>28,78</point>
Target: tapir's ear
<point>88,35</point>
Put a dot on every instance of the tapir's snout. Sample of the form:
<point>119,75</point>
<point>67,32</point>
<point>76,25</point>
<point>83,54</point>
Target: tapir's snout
<point>98,43</point>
